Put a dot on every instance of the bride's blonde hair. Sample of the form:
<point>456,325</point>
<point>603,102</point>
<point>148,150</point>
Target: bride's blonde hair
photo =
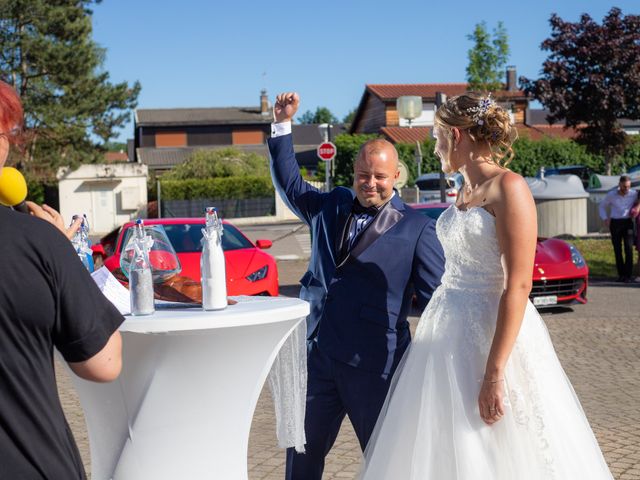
<point>484,119</point>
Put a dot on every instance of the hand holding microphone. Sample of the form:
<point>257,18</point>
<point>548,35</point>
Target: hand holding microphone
<point>51,215</point>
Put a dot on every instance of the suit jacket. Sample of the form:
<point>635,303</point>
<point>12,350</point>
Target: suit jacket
<point>359,300</point>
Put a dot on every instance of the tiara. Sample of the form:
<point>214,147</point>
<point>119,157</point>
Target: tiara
<point>478,112</point>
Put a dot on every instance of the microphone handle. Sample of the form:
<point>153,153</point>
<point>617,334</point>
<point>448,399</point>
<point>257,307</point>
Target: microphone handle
<point>21,207</point>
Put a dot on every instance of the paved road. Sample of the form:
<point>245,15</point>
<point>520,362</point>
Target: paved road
<point>598,344</point>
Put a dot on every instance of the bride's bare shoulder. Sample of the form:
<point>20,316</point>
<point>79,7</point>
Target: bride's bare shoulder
<point>510,182</point>
<point>512,193</point>
<point>505,186</point>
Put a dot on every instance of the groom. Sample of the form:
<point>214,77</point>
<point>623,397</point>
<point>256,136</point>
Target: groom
<point>369,255</point>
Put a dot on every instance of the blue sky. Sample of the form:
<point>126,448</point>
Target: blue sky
<point>198,53</point>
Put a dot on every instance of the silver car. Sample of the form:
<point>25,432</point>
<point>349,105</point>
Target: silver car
<point>429,186</point>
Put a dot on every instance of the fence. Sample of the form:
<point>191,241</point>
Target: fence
<point>228,208</point>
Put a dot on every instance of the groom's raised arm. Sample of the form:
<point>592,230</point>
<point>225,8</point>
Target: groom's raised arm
<point>302,198</point>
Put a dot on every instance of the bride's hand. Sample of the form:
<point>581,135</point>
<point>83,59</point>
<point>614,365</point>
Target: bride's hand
<point>490,401</point>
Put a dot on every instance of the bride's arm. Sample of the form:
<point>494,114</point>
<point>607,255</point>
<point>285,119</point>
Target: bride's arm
<point>516,225</point>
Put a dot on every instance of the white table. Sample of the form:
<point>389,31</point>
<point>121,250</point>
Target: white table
<point>183,404</point>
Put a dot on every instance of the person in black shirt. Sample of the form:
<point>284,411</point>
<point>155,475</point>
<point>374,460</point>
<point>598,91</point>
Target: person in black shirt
<point>47,300</point>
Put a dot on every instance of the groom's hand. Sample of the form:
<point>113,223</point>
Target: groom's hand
<point>286,106</point>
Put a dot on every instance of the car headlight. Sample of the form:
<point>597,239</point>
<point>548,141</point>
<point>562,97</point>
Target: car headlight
<point>576,257</point>
<point>258,274</point>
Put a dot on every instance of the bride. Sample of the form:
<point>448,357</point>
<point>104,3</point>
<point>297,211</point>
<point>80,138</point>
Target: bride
<point>481,394</point>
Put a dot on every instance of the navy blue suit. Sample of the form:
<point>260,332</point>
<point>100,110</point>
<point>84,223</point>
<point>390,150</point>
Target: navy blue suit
<point>360,299</point>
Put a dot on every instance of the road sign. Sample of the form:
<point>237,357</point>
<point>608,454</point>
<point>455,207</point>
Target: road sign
<point>404,175</point>
<point>327,151</point>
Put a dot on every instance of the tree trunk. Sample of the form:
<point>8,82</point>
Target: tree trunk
<point>609,158</point>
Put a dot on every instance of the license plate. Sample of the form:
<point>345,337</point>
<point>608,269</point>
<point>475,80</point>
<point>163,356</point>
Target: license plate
<point>546,300</point>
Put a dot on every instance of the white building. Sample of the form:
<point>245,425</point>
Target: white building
<point>109,194</point>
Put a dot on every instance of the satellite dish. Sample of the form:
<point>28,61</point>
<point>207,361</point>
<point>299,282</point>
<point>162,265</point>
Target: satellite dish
<point>403,177</point>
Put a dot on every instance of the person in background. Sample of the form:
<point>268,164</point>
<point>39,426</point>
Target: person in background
<point>620,201</point>
<point>635,215</point>
<point>47,300</point>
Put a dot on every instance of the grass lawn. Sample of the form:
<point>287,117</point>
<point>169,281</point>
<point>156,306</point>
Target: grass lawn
<point>599,256</point>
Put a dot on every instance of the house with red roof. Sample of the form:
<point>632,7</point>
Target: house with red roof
<point>377,111</point>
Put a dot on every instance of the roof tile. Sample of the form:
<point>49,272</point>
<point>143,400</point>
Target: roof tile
<point>428,90</point>
<point>406,134</point>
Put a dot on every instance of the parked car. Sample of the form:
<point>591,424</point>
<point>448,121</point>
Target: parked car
<point>429,186</point>
<point>584,173</point>
<point>250,271</point>
<point>560,272</point>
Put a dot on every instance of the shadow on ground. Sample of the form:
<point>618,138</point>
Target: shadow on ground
<point>290,290</point>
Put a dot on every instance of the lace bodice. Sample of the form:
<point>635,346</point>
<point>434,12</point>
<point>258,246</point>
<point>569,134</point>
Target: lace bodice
<point>473,259</point>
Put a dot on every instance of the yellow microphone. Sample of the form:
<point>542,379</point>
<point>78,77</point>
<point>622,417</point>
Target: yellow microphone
<point>13,189</point>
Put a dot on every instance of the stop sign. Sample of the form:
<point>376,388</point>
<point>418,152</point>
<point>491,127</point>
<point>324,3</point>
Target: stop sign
<point>327,151</point>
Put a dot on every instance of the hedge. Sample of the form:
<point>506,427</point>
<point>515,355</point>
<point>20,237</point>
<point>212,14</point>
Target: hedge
<point>530,155</point>
<point>227,187</point>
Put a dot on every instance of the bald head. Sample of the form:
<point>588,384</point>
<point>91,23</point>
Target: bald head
<point>378,146</point>
<point>375,172</point>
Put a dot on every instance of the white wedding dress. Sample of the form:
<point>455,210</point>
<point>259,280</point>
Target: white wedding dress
<point>430,426</point>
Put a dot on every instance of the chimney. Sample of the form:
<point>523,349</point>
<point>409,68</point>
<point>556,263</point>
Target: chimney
<point>512,84</point>
<point>264,103</point>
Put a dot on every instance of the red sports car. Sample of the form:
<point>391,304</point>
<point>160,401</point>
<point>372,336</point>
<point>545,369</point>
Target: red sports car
<point>560,273</point>
<point>250,271</point>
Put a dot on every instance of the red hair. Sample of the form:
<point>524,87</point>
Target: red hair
<point>11,113</point>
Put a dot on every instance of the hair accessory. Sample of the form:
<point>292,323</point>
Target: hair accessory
<point>478,112</point>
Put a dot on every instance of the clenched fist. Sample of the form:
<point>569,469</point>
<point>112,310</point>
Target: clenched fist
<point>286,106</point>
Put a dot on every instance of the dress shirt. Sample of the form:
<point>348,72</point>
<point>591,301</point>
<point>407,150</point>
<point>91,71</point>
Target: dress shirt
<point>360,221</point>
<point>280,129</point>
<point>620,205</point>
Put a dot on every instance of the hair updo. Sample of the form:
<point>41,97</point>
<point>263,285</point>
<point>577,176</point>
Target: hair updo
<point>484,119</point>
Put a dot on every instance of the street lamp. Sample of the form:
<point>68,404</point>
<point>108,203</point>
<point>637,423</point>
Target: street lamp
<point>441,98</point>
<point>410,107</point>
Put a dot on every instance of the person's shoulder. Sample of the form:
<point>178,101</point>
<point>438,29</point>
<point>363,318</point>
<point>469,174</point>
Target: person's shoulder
<point>343,193</point>
<point>512,184</point>
<point>512,180</point>
<point>416,218</point>
<point>34,229</point>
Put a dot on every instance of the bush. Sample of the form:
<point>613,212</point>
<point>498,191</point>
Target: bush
<point>226,162</point>
<point>228,187</point>
<point>530,155</point>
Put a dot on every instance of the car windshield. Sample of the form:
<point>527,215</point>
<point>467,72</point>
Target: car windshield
<point>187,237</point>
<point>434,212</point>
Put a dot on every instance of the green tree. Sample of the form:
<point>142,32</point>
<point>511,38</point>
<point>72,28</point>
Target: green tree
<point>115,146</point>
<point>226,162</point>
<point>321,115</point>
<point>591,79</point>
<point>349,117</point>
<point>487,58</point>
<point>47,54</point>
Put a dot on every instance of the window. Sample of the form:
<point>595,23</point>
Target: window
<point>171,139</point>
<point>187,237</point>
<point>247,137</point>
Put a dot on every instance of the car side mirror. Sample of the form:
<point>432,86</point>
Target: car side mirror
<point>263,244</point>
